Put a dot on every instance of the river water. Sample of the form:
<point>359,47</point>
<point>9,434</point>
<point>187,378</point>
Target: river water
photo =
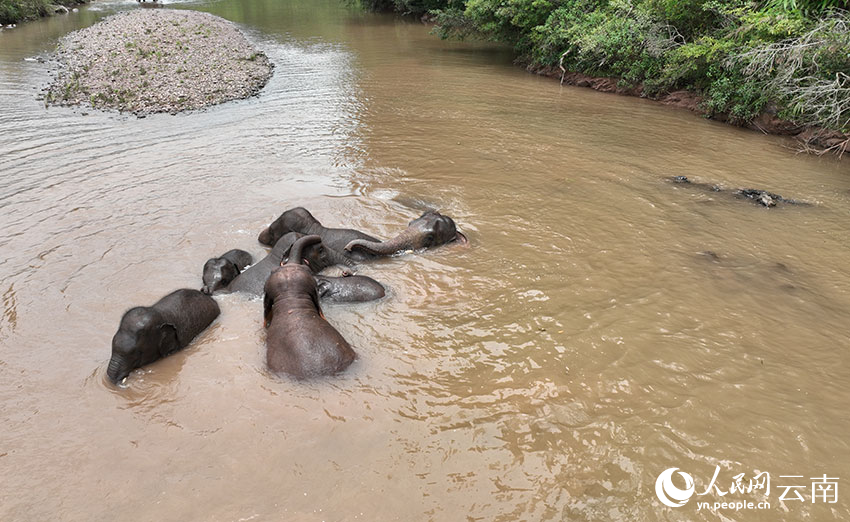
<point>604,324</point>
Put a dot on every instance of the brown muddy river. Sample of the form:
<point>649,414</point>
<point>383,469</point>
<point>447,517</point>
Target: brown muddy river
<point>587,340</point>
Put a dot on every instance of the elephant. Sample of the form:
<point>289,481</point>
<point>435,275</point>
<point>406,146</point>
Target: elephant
<point>301,220</point>
<point>220,271</point>
<point>316,256</point>
<point>148,333</point>
<point>349,289</point>
<point>429,230</point>
<point>299,341</point>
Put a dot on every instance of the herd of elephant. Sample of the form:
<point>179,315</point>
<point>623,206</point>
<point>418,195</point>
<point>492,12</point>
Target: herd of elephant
<point>300,342</point>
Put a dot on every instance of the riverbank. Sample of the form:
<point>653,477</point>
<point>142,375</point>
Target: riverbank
<point>16,11</point>
<point>775,66</point>
<point>809,138</point>
<point>162,60</point>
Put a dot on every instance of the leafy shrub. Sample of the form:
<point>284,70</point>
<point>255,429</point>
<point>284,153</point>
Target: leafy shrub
<point>808,73</point>
<point>14,11</point>
<point>416,7</point>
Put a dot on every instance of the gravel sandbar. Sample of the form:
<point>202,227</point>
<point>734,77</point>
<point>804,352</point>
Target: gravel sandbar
<point>157,60</point>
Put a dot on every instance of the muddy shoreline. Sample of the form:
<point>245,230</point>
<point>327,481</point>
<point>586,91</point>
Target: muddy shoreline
<point>809,139</point>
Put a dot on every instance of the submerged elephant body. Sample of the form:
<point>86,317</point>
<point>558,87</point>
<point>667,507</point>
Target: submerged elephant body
<point>350,289</point>
<point>252,280</point>
<point>302,221</point>
<point>221,271</point>
<point>299,341</point>
<point>316,256</point>
<point>148,333</point>
<point>431,229</point>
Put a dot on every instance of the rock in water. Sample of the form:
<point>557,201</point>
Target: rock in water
<point>762,197</point>
<point>147,61</point>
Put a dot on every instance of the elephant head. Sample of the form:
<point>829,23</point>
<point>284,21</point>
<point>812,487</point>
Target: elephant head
<point>299,249</point>
<point>317,256</point>
<point>143,337</point>
<point>298,219</point>
<point>218,273</point>
<point>292,277</point>
<point>429,230</point>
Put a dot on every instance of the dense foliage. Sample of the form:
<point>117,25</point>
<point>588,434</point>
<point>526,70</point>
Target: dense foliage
<point>14,11</point>
<point>742,56</point>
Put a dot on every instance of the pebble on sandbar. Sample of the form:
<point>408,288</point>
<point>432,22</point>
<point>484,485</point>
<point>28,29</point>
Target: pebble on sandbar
<point>164,60</point>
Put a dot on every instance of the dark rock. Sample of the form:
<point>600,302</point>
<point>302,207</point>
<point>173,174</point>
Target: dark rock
<point>760,197</point>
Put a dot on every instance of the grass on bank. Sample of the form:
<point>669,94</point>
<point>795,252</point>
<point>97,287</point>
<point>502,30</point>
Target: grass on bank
<point>14,11</point>
<point>788,57</point>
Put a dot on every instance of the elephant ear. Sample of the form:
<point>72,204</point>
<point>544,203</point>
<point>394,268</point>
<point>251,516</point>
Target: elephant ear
<point>315,297</point>
<point>285,256</point>
<point>322,286</point>
<point>268,310</point>
<point>168,342</point>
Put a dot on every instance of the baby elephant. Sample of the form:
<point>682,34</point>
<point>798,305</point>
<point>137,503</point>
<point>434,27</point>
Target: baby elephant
<point>349,289</point>
<point>300,342</point>
<point>220,271</point>
<point>148,333</point>
<point>317,257</point>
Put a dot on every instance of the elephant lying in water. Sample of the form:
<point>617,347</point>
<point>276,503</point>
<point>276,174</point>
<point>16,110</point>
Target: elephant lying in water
<point>349,289</point>
<point>220,271</point>
<point>429,230</point>
<point>148,333</point>
<point>300,342</point>
<point>317,257</point>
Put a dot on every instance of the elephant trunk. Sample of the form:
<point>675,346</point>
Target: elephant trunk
<point>403,241</point>
<point>299,246</point>
<point>265,236</point>
<point>116,369</point>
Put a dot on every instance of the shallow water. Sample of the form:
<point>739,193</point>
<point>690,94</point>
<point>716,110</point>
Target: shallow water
<point>603,326</point>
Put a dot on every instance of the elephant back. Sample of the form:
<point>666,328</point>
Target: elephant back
<point>190,311</point>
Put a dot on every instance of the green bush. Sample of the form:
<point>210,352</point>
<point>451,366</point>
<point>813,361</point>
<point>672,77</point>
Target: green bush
<point>808,7</point>
<point>14,11</point>
<point>416,7</point>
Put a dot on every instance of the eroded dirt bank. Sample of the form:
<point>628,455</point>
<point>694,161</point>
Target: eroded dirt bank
<point>816,139</point>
